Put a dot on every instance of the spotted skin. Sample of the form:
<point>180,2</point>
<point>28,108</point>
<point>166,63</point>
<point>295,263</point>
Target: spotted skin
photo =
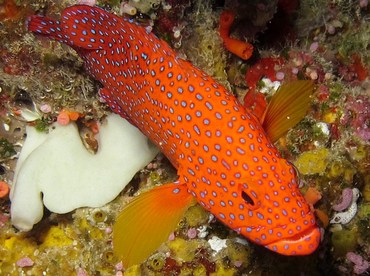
<point>220,150</point>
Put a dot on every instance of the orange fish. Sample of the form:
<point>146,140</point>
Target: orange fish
<point>224,157</point>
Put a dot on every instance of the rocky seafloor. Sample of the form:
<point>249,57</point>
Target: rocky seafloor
<point>321,40</point>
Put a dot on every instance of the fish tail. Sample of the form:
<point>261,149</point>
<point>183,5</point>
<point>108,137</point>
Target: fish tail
<point>46,26</point>
<point>86,27</point>
<point>81,27</point>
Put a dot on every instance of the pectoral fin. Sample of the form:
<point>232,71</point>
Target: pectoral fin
<point>147,221</point>
<point>287,107</point>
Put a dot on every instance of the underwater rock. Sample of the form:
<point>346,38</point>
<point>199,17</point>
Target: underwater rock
<point>57,170</point>
<point>217,244</point>
<point>344,241</point>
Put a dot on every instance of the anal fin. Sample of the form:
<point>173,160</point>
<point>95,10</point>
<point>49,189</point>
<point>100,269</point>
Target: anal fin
<point>146,222</point>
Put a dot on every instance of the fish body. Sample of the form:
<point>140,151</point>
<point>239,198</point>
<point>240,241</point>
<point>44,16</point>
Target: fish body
<point>220,149</point>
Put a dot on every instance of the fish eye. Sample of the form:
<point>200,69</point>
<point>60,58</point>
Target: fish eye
<point>251,197</point>
<point>247,198</point>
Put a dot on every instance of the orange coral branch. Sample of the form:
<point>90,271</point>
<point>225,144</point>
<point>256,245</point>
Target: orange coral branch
<point>312,195</point>
<point>4,189</point>
<point>240,48</point>
<point>323,217</point>
<point>226,20</point>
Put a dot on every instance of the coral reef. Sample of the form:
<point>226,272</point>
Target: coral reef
<point>324,41</point>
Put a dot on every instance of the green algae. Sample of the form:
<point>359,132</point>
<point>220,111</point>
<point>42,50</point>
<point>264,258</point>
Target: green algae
<point>6,149</point>
<point>364,211</point>
<point>203,45</point>
<point>196,216</point>
<point>344,241</point>
<point>313,162</point>
<point>183,250</point>
<point>156,262</point>
<point>366,190</point>
<point>360,152</point>
<point>238,254</point>
<point>355,42</point>
<point>364,222</point>
<point>221,269</point>
<point>155,177</point>
<point>42,124</point>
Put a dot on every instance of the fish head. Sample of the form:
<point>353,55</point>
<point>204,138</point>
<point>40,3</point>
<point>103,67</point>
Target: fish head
<point>269,209</point>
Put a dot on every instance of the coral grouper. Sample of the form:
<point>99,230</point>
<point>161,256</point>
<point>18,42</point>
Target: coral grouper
<point>224,157</point>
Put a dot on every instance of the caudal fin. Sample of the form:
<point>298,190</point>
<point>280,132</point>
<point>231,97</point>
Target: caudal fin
<point>46,26</point>
<point>81,26</point>
<point>92,27</point>
<point>146,222</point>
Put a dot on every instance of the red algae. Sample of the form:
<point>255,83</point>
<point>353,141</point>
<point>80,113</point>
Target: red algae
<point>359,68</point>
<point>360,264</point>
<point>264,67</point>
<point>9,10</point>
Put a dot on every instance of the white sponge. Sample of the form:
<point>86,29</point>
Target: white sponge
<point>56,169</point>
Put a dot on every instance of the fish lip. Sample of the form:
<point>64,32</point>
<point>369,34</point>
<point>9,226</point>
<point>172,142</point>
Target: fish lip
<point>303,243</point>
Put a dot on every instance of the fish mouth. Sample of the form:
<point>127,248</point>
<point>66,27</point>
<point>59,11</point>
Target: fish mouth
<point>303,243</point>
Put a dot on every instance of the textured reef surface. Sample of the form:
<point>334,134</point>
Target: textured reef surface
<point>326,41</point>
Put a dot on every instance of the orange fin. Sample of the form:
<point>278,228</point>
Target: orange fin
<point>147,221</point>
<point>287,107</point>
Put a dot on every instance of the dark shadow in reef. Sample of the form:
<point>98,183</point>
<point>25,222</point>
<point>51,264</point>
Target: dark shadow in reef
<point>317,264</point>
